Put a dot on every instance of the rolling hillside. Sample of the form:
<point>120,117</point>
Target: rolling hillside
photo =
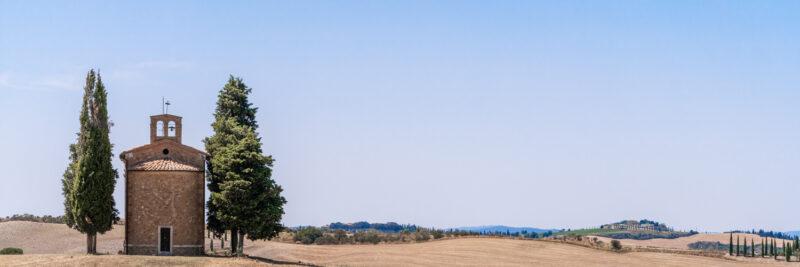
<point>65,247</point>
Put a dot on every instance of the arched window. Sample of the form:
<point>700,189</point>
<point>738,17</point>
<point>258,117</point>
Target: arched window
<point>160,128</point>
<point>171,127</point>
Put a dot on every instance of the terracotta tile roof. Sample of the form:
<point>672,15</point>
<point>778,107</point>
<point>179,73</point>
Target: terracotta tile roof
<point>163,164</point>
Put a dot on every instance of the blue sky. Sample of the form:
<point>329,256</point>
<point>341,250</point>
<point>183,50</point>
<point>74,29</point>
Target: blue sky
<point>439,113</point>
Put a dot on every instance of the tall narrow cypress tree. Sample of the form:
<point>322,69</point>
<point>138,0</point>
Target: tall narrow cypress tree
<point>730,245</point>
<point>737,245</point>
<point>744,247</point>
<point>752,247</point>
<point>92,197</point>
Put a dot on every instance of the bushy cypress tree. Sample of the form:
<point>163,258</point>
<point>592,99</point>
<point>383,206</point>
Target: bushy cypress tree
<point>244,199</point>
<point>786,251</point>
<point>92,197</point>
<point>752,247</point>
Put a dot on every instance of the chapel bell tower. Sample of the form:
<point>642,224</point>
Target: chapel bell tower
<point>165,126</point>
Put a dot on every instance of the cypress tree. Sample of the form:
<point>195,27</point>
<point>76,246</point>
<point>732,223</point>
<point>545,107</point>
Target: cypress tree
<point>737,245</point>
<point>67,181</point>
<point>744,247</point>
<point>752,247</point>
<point>786,251</point>
<point>769,247</point>
<point>244,198</point>
<point>92,197</point>
<point>730,245</point>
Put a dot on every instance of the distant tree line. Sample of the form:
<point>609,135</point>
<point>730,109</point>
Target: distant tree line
<point>646,235</point>
<point>633,224</point>
<point>374,233</point>
<point>708,245</point>
<point>33,218</point>
<point>364,226</point>
<point>327,236</point>
<point>763,233</point>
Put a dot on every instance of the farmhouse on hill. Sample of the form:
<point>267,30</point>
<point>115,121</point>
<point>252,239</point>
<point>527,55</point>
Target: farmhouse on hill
<point>164,193</point>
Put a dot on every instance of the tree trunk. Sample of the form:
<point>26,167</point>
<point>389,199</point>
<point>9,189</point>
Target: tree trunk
<point>234,240</point>
<point>88,244</point>
<point>241,242</point>
<point>94,243</point>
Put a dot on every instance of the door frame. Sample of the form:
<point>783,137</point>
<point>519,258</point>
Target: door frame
<point>158,249</point>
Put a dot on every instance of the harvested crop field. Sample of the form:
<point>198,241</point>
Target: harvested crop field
<point>62,247</point>
<point>683,242</point>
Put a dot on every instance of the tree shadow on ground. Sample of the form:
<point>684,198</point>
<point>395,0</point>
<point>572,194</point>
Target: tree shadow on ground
<point>276,262</point>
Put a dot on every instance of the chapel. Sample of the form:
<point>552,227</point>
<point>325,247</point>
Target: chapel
<point>164,193</point>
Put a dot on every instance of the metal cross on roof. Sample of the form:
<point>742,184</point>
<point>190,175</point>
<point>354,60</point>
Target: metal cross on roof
<point>165,105</point>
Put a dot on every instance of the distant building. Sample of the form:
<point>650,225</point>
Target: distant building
<point>164,193</point>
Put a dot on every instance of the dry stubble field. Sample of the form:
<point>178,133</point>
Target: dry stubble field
<point>61,246</point>
<point>683,242</point>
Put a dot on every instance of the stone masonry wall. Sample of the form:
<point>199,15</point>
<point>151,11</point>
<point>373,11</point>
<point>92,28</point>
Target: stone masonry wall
<point>165,198</point>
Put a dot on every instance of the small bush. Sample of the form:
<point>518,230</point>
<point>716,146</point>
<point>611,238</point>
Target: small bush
<point>341,236</point>
<point>10,251</point>
<point>616,245</point>
<point>422,235</point>
<point>326,240</point>
<point>367,237</point>
<point>307,235</point>
<point>438,234</point>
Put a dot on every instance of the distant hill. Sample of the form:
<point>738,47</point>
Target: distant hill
<point>502,229</point>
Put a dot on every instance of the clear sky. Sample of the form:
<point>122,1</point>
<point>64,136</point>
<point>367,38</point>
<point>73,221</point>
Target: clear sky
<point>439,113</point>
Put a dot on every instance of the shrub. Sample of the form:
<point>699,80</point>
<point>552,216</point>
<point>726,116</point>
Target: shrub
<point>438,234</point>
<point>616,245</point>
<point>341,236</point>
<point>708,245</point>
<point>326,240</point>
<point>367,237</point>
<point>9,251</point>
<point>307,235</point>
<point>422,235</point>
